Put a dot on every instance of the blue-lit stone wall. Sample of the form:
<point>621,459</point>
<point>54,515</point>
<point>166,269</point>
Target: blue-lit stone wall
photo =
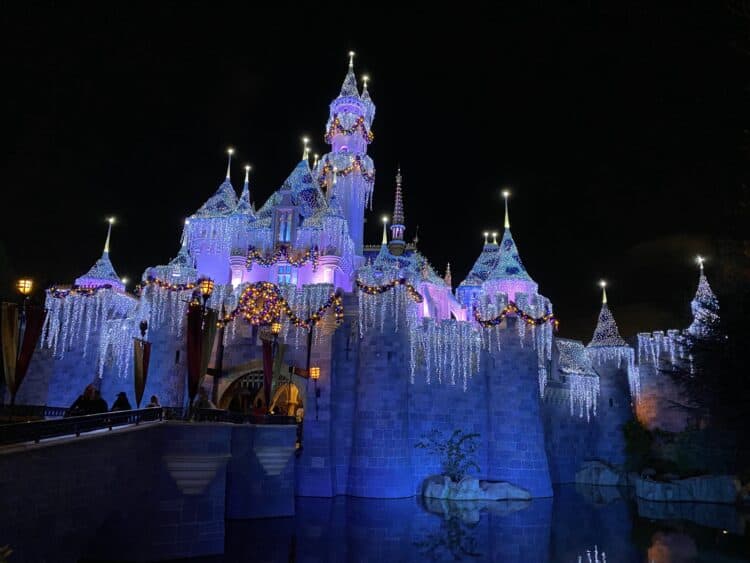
<point>569,439</point>
<point>516,433</point>
<point>614,410</point>
<point>381,458</point>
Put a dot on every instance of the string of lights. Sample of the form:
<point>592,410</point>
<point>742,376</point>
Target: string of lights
<point>512,309</point>
<point>262,304</point>
<point>379,289</point>
<point>282,254</point>
<point>339,128</point>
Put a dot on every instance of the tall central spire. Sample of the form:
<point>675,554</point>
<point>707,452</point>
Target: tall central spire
<point>398,245</point>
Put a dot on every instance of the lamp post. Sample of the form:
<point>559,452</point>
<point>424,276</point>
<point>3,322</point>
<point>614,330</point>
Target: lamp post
<point>206,287</point>
<point>315,375</point>
<point>219,358</point>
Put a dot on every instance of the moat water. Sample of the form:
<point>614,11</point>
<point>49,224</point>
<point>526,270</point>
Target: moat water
<point>581,523</point>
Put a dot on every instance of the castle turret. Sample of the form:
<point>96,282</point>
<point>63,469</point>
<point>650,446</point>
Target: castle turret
<point>705,307</point>
<point>397,244</point>
<point>510,275</point>
<point>347,170</point>
<point>614,361</point>
<point>213,230</point>
<point>469,289</point>
<point>102,273</point>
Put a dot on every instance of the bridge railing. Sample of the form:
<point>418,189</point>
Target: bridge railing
<point>30,412</point>
<point>38,430</point>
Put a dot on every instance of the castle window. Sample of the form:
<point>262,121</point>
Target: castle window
<point>611,402</point>
<point>286,275</point>
<point>285,226</point>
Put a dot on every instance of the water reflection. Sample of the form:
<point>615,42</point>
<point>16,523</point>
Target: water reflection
<point>580,523</point>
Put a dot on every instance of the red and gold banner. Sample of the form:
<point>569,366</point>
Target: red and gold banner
<point>141,357</point>
<point>201,330</point>
<point>16,359</point>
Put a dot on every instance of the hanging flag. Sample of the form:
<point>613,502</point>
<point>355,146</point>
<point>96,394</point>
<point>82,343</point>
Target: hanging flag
<point>141,357</point>
<point>16,359</point>
<point>201,331</point>
<point>9,341</point>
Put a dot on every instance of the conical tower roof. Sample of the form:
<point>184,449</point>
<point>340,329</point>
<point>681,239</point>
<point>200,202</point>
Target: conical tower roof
<point>349,87</point>
<point>606,332</point>
<point>705,308</point>
<point>484,265</point>
<point>304,193</point>
<point>102,272</point>
<point>224,200</point>
<point>244,207</point>
<point>509,265</point>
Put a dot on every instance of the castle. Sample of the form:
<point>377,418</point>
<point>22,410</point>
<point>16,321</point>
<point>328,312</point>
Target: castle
<point>398,351</point>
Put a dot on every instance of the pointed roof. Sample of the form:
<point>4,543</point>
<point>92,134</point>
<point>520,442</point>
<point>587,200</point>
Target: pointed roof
<point>224,199</point>
<point>705,308</point>
<point>349,87</point>
<point>484,265</point>
<point>102,272</point>
<point>398,206</point>
<point>606,332</point>
<point>448,277</point>
<point>509,265</point>
<point>369,104</point>
<point>304,192</point>
<point>244,207</point>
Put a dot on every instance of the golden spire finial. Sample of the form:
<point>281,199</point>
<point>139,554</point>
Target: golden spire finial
<point>506,195</point>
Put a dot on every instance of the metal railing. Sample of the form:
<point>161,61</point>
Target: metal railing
<point>218,415</point>
<point>30,412</point>
<point>36,431</point>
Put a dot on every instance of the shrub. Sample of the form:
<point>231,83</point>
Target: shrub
<point>456,452</point>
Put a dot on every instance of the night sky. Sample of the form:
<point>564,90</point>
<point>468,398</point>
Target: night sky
<point>618,130</point>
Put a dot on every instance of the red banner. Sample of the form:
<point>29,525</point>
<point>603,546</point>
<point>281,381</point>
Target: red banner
<point>141,357</point>
<point>16,359</point>
<point>201,329</point>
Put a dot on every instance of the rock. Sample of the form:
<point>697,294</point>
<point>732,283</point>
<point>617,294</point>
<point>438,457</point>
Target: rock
<point>471,488</point>
<point>710,488</point>
<point>597,472</point>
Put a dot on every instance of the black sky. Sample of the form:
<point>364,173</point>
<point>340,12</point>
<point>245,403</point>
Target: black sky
<point>617,130</point>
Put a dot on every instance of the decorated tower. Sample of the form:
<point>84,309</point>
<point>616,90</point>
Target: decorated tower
<point>346,170</point>
<point>509,276</point>
<point>212,230</point>
<point>397,244</point>
<point>469,289</point>
<point>102,273</point>
<point>619,384</point>
<point>705,307</point>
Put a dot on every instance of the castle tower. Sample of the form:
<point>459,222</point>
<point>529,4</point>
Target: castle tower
<point>705,307</point>
<point>347,170</point>
<point>619,385</point>
<point>397,244</point>
<point>469,289</point>
<point>102,273</point>
<point>510,275</point>
<point>212,230</point>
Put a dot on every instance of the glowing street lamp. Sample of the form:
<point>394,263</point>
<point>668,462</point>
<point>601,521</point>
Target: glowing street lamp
<point>25,286</point>
<point>206,287</point>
